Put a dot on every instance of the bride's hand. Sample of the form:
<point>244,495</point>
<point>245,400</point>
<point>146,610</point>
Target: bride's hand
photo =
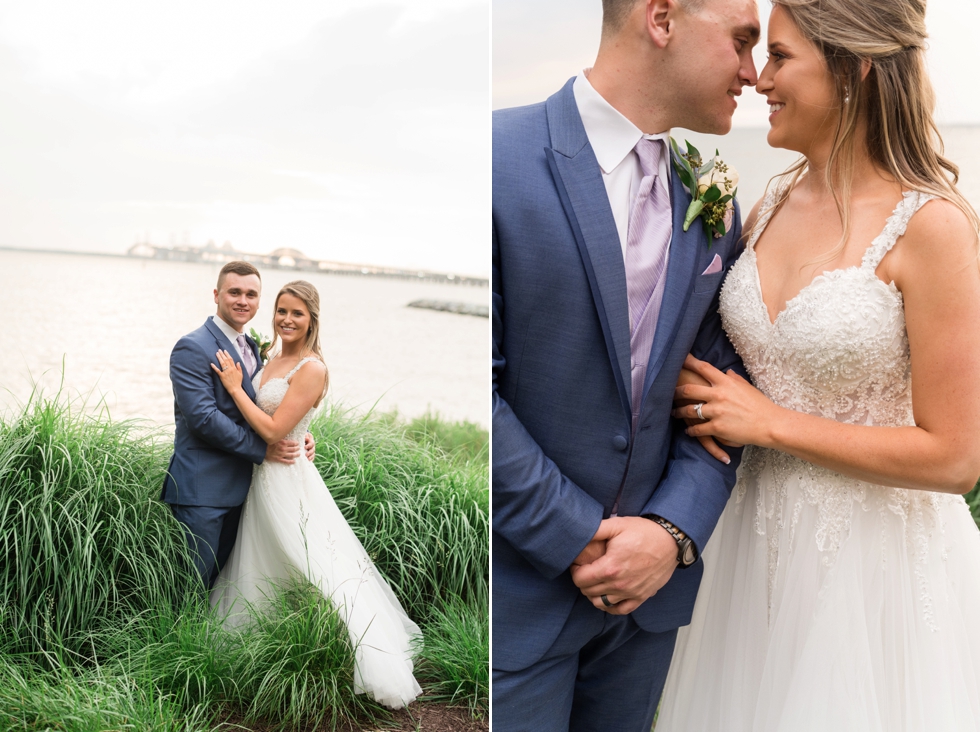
<point>710,444</point>
<point>230,372</point>
<point>733,410</point>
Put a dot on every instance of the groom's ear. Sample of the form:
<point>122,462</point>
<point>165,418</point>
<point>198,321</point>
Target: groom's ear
<point>660,20</point>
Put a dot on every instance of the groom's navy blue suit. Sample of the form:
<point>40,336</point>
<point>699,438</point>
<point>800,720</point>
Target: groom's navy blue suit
<point>214,448</point>
<point>562,443</point>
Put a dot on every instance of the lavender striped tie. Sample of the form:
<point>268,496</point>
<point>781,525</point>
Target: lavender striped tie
<point>247,356</point>
<point>647,241</point>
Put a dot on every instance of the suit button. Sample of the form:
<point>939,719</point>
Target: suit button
<point>620,442</point>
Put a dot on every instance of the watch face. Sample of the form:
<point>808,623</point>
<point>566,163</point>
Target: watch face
<point>689,557</point>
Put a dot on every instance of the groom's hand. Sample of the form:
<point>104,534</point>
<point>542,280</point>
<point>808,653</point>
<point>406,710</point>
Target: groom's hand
<point>640,557</point>
<point>593,550</point>
<point>285,451</point>
<point>310,445</point>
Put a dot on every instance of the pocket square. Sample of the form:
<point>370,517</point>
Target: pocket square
<point>715,266</point>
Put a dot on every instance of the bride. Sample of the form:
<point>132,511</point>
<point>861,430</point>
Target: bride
<point>290,524</point>
<point>842,584</point>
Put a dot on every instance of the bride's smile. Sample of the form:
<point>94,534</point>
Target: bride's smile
<point>292,319</point>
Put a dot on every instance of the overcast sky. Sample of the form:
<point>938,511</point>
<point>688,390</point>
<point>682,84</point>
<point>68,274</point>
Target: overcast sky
<point>539,44</point>
<point>353,130</point>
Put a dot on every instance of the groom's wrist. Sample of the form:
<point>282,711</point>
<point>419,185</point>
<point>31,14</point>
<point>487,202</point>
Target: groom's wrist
<point>687,553</point>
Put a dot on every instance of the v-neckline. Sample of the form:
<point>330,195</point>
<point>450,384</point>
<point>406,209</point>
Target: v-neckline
<point>899,207</point>
<point>786,305</point>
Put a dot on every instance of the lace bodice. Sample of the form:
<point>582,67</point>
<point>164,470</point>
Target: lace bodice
<point>839,348</point>
<point>270,395</point>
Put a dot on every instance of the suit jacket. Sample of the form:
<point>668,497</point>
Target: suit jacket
<point>214,447</point>
<point>562,448</point>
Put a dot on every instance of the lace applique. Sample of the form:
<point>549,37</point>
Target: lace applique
<point>839,350</point>
<point>270,395</point>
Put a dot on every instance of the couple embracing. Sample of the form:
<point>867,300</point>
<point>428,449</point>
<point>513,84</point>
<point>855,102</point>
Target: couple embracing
<point>256,512</point>
<point>827,573</point>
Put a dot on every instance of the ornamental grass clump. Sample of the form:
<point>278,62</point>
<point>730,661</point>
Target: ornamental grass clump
<point>424,519</point>
<point>84,540</point>
<point>102,621</point>
<point>455,656</point>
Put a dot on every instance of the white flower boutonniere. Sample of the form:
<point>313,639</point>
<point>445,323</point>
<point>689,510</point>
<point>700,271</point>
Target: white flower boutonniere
<point>263,343</point>
<point>712,186</point>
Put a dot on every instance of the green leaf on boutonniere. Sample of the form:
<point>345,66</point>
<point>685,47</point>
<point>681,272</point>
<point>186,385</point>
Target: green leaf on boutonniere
<point>692,151</point>
<point>711,195</point>
<point>685,175</point>
<point>683,168</point>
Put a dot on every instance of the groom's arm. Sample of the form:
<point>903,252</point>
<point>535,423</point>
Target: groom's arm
<point>696,486</point>
<point>194,390</point>
<point>543,514</point>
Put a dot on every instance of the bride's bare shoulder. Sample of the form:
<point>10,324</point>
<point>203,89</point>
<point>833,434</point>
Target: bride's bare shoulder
<point>939,234</point>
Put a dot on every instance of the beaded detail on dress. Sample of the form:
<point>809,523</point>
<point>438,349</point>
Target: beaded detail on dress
<point>839,350</point>
<point>270,395</point>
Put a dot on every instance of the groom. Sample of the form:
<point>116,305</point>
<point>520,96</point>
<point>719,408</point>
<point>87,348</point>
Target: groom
<point>214,447</point>
<point>601,503</point>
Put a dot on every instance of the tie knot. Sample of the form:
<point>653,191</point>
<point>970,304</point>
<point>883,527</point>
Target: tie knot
<point>650,153</point>
<point>241,340</point>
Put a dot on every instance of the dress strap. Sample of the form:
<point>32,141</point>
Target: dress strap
<point>297,367</point>
<point>766,211</point>
<point>895,226</point>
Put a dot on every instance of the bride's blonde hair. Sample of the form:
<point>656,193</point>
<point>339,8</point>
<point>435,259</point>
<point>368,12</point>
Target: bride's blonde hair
<point>896,99</point>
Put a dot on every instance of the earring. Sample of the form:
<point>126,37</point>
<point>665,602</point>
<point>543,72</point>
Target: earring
<point>847,95</point>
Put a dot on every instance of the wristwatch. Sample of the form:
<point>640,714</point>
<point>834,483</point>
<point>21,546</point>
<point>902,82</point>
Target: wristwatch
<point>687,554</point>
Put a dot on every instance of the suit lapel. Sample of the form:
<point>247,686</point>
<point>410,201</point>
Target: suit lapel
<point>578,180</point>
<point>681,268</point>
<point>221,340</point>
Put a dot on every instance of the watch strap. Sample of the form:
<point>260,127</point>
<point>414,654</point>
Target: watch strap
<point>684,542</point>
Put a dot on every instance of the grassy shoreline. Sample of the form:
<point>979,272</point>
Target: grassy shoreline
<point>101,627</point>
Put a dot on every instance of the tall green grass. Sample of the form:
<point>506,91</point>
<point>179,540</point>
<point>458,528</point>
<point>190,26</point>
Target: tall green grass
<point>460,441</point>
<point>84,541</point>
<point>101,625</point>
<point>423,519</point>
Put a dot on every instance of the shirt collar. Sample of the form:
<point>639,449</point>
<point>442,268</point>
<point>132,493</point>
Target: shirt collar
<point>611,135</point>
<point>230,333</point>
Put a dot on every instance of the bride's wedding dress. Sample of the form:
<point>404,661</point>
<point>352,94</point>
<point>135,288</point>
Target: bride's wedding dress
<point>830,604</point>
<point>291,526</point>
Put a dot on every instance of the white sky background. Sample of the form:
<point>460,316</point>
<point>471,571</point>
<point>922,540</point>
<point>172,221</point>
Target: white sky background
<point>352,130</point>
<point>539,44</point>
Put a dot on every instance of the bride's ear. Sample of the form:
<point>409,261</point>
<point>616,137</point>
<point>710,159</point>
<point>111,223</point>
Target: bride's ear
<point>865,68</point>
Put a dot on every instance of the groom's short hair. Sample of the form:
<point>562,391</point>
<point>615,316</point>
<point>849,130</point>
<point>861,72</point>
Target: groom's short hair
<point>239,268</point>
<point>615,12</point>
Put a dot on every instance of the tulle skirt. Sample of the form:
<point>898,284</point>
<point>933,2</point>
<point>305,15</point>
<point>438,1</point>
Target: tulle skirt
<point>829,604</point>
<point>291,525</point>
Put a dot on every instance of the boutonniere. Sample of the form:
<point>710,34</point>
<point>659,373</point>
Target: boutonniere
<point>712,186</point>
<point>262,342</point>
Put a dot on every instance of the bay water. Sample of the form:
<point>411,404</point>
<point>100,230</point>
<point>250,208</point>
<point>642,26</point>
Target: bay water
<point>106,326</point>
<point>746,149</point>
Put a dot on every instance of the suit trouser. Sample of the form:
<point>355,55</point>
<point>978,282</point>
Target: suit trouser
<point>603,672</point>
<point>210,532</point>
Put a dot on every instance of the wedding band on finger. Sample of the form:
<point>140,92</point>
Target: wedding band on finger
<point>605,601</point>
<point>697,410</point>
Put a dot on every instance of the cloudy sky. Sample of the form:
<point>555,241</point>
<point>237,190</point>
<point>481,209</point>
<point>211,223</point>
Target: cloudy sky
<point>353,130</point>
<point>538,45</point>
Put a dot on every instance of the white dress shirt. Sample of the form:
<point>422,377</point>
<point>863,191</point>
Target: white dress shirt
<point>613,138</point>
<point>231,334</point>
